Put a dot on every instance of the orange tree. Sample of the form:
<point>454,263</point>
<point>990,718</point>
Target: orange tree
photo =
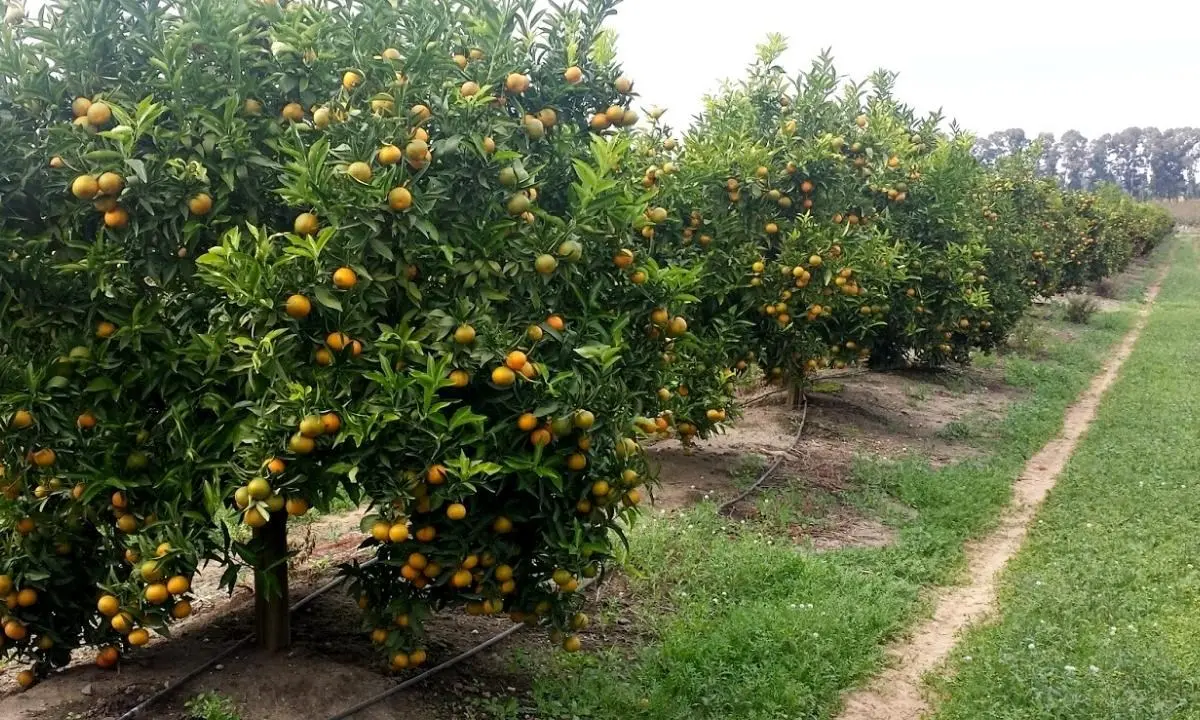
<point>256,253</point>
<point>784,191</point>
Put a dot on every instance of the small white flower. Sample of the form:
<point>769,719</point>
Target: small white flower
<point>1069,668</point>
<point>1030,646</point>
<point>967,658</point>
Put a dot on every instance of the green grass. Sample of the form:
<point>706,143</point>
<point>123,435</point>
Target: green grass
<point>742,624</point>
<point>211,706</point>
<point>1101,608</point>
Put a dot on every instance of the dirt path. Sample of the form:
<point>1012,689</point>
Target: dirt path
<point>896,693</point>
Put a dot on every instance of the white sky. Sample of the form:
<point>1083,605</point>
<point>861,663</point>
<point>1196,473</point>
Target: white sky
<point>1043,65</point>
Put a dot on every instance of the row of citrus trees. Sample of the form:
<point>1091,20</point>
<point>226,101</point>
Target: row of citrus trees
<point>257,254</point>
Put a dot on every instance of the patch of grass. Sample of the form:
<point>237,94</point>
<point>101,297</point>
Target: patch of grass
<point>1080,309</point>
<point>1099,610</point>
<point>745,626</point>
<point>828,387</point>
<point>956,430</point>
<point>212,706</point>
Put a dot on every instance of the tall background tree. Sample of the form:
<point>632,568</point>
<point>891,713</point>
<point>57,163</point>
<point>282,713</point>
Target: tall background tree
<point>1144,161</point>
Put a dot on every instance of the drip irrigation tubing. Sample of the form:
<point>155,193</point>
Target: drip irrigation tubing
<point>770,468</point>
<point>184,679</point>
<point>466,654</point>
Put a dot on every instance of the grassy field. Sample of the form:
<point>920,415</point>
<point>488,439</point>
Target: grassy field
<point>735,621</point>
<point>1101,609</point>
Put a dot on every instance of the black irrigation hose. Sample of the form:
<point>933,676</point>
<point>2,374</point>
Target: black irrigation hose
<point>770,468</point>
<point>176,684</point>
<point>466,654</point>
<point>498,637</point>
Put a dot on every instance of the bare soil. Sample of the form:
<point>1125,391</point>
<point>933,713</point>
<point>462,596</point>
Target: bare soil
<point>896,693</point>
<point>332,664</point>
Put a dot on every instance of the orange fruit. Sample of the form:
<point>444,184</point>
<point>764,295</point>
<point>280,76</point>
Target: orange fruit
<point>502,525</point>
<point>22,419</point>
<point>527,422</point>
<point>25,678</point>
<point>573,75</point>
<point>331,423</point>
<point>389,155</point>
<point>576,461</point>
<point>461,579</point>
<point>456,511</point>
<point>351,79</point>
<point>178,585</point>
<point>541,437</point>
<point>545,264</point>
<point>44,458</point>
<point>400,661</point>
<point>459,378</point>
<point>116,218</point>
<point>516,83</point>
<point>417,657</point>
<point>156,594</point>
<point>122,622</point>
<point>27,597</point>
<point>400,198</point>
<point>623,85</point>
<point>99,114</point>
<point>379,531</point>
<point>464,335</point>
<point>14,630</point>
<point>306,224</point>
<point>337,341</point>
<point>107,657</point>
<point>503,376</point>
<point>310,427</point>
<point>200,204</point>
<point>110,183</point>
<point>436,474</point>
<point>398,532</point>
<point>139,637</point>
<point>105,329</point>
<point>85,187</point>
<point>79,106</point>
<point>556,323</point>
<point>296,506</point>
<point>344,278</point>
<point>516,360</point>
<point>254,518</point>
<point>360,171</point>
<point>297,307</point>
<point>108,605</point>
<point>181,609</point>
<point>469,88</point>
<point>323,357</point>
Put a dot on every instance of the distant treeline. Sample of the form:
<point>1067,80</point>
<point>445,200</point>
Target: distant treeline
<point>1145,162</point>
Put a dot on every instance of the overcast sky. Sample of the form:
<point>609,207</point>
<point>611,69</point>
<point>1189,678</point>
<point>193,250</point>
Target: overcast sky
<point>1043,65</point>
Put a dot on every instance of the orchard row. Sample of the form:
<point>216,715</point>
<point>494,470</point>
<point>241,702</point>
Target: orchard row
<point>437,260</point>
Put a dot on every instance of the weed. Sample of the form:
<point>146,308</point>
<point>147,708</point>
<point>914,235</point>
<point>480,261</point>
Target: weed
<point>1105,287</point>
<point>212,706</point>
<point>1080,309</point>
<point>956,430</point>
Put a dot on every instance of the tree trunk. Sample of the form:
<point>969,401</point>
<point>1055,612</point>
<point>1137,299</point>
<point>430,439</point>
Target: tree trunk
<point>272,623</point>
<point>797,393</point>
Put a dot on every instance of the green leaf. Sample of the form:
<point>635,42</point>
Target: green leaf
<point>326,298</point>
